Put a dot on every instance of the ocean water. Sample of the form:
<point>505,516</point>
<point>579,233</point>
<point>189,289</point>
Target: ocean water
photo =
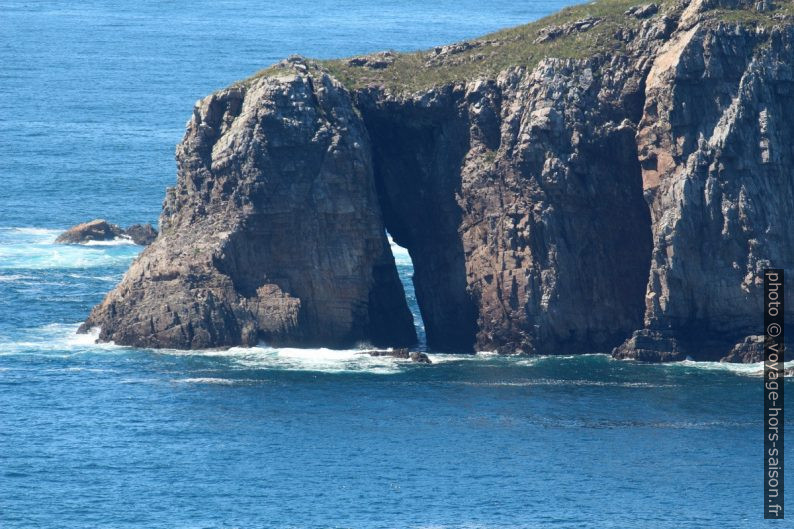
<point>93,97</point>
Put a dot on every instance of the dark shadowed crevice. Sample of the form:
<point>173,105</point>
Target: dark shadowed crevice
<point>417,154</point>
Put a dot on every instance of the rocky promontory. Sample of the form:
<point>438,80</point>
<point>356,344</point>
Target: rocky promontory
<point>614,177</point>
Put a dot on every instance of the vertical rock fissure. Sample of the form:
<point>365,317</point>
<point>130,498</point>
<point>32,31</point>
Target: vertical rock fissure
<point>417,154</point>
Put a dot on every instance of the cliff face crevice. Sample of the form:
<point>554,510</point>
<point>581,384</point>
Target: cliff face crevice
<point>718,191</point>
<point>418,147</point>
<point>625,195</point>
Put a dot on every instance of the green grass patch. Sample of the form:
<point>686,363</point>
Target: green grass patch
<point>518,46</point>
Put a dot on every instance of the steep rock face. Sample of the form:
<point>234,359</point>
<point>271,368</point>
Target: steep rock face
<point>273,231</point>
<point>715,143</point>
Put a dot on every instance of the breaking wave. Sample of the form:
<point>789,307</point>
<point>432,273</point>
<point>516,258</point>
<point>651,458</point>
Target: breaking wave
<point>35,249</point>
<point>62,340</point>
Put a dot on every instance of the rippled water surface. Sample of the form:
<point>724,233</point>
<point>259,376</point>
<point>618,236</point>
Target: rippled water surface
<point>94,97</point>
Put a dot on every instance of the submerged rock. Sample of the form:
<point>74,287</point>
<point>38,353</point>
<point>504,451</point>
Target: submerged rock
<point>414,356</point>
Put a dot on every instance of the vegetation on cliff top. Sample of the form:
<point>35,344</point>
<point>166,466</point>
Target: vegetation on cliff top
<point>574,32</point>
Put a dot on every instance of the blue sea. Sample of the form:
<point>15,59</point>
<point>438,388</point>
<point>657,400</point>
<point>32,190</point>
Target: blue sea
<point>94,95</point>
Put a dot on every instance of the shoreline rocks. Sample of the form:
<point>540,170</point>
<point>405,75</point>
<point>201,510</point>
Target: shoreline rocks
<point>141,234</point>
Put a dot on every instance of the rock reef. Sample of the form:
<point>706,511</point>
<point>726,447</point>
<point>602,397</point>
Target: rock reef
<point>102,230</point>
<point>612,179</point>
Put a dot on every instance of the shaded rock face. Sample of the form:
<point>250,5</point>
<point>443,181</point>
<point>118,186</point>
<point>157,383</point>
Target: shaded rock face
<point>418,148</point>
<point>272,233</point>
<point>715,147</point>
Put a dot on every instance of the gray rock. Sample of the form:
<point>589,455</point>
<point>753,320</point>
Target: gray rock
<point>554,32</point>
<point>714,144</point>
<point>141,234</point>
<point>94,230</point>
<point>749,350</point>
<point>643,11</point>
<point>376,61</point>
<point>272,233</point>
<point>414,356</point>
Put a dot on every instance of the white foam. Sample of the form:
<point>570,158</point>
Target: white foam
<point>43,234</point>
<point>56,337</point>
<point>113,278</point>
<point>52,339</point>
<point>564,382</point>
<point>118,241</point>
<point>442,358</point>
<point>35,249</point>
<point>295,359</point>
<point>13,278</point>
<point>754,369</point>
<point>215,380</point>
<point>401,255</point>
<point>63,338</point>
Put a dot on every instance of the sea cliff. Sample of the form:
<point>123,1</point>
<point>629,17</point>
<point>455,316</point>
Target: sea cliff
<point>612,178</point>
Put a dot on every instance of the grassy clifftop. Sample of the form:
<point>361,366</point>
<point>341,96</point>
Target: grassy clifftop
<point>574,32</point>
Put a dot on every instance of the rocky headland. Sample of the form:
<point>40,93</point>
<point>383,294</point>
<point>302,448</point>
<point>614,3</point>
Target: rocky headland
<point>613,178</point>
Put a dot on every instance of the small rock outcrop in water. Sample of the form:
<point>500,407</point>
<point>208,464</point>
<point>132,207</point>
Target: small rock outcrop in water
<point>624,198</point>
<point>95,230</point>
<point>413,356</point>
<point>102,230</point>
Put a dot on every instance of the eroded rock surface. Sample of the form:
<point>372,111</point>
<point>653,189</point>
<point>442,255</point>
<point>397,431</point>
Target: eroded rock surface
<point>272,233</point>
<point>715,146</point>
